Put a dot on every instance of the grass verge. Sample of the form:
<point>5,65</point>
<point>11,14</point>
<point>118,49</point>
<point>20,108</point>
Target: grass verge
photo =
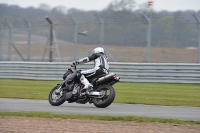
<point>130,93</point>
<point>96,117</point>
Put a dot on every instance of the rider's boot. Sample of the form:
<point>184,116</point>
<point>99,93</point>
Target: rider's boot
<point>86,83</point>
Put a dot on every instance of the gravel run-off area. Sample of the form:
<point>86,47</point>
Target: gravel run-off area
<point>14,124</point>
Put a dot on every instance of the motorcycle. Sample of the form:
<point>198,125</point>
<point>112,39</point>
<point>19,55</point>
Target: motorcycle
<point>71,90</point>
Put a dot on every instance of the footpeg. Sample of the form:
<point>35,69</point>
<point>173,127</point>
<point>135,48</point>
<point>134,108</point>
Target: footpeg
<point>90,101</point>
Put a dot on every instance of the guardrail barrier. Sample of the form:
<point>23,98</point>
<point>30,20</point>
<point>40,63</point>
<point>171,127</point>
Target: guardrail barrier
<point>128,72</point>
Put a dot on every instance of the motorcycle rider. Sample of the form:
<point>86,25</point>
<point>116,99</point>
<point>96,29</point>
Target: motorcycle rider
<point>101,66</point>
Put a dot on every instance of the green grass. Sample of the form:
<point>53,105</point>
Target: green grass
<point>131,93</point>
<point>158,94</point>
<point>96,117</point>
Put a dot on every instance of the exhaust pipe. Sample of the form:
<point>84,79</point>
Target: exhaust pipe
<point>106,78</point>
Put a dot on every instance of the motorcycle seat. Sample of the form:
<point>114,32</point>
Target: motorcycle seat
<point>93,80</point>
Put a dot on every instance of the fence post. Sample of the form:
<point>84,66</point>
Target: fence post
<point>75,37</point>
<point>101,38</point>
<point>10,41</point>
<point>51,40</point>
<point>56,46</point>
<point>1,42</point>
<point>148,39</point>
<point>198,22</point>
<point>29,40</point>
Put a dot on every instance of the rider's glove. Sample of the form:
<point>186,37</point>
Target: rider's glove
<point>74,63</point>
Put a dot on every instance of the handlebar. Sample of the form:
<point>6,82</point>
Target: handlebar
<point>71,67</point>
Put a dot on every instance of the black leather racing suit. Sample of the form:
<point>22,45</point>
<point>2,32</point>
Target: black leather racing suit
<point>101,65</point>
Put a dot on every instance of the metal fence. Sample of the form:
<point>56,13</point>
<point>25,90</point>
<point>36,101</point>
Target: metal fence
<point>128,72</point>
<point>139,38</point>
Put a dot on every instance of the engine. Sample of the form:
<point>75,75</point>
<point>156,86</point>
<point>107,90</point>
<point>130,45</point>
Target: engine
<point>76,90</point>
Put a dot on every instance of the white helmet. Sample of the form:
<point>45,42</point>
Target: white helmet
<point>98,50</point>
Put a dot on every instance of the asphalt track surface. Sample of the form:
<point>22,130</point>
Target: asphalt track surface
<point>172,112</point>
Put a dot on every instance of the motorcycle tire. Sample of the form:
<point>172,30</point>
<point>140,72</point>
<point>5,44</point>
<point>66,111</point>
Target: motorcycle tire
<point>60,101</point>
<point>99,102</point>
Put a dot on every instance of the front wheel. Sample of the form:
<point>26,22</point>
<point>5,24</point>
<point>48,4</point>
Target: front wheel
<point>56,99</point>
<point>107,98</point>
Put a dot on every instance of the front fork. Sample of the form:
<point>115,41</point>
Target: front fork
<point>58,90</point>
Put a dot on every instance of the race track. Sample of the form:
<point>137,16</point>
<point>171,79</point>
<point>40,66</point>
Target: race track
<point>183,113</point>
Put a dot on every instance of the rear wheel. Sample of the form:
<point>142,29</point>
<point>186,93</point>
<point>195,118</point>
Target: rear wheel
<point>107,98</point>
<point>56,99</point>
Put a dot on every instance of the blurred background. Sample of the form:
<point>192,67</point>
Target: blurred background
<point>129,30</point>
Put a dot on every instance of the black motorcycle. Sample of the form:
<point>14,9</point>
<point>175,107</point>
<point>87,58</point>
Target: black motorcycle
<point>71,90</point>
